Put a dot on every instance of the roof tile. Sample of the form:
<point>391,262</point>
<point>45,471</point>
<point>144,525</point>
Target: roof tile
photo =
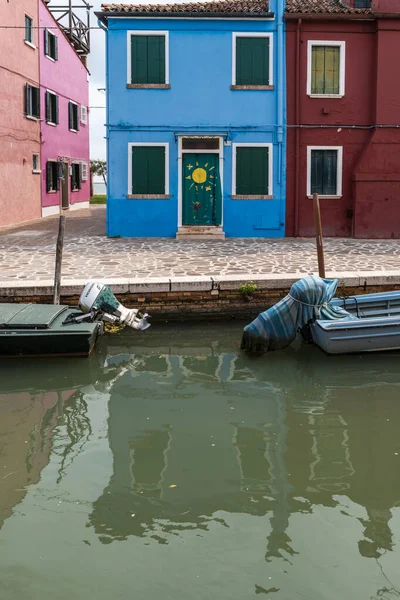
<point>216,6</point>
<point>323,7</point>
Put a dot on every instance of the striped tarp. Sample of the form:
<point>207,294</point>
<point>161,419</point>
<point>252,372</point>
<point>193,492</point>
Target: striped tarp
<point>276,328</point>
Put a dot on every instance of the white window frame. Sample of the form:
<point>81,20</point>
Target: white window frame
<point>253,34</point>
<point>48,55</point>
<point>270,166</point>
<point>339,174</point>
<point>129,55</point>
<point>84,170</point>
<point>52,123</point>
<point>38,170</point>
<point>28,42</point>
<point>151,144</point>
<point>342,67</point>
<point>84,114</point>
<point>77,115</point>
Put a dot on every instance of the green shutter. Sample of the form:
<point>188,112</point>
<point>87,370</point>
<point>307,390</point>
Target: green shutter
<point>147,59</point>
<point>148,170</point>
<point>46,42</point>
<point>47,109</point>
<point>55,47</point>
<point>325,70</point>
<point>324,172</point>
<point>27,98</point>
<point>70,115</point>
<point>76,117</point>
<point>57,110</point>
<point>252,171</point>
<point>48,177</point>
<point>252,61</point>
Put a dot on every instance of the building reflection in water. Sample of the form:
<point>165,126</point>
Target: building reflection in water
<point>30,421</point>
<point>189,445</point>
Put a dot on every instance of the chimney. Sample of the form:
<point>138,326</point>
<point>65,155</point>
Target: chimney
<point>386,6</point>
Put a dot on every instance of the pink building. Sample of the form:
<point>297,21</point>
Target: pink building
<point>64,90</point>
<point>19,124</point>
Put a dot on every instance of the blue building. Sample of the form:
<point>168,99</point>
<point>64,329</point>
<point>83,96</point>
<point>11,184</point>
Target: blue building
<point>196,108</point>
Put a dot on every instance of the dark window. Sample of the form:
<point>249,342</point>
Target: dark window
<point>200,144</point>
<point>73,116</point>
<point>51,176</point>
<point>32,101</point>
<point>362,3</point>
<point>252,61</point>
<point>148,170</point>
<point>324,166</point>
<point>51,108</point>
<point>28,29</point>
<point>76,177</point>
<point>35,163</point>
<point>252,171</point>
<point>50,45</point>
<point>148,59</point>
<point>325,70</point>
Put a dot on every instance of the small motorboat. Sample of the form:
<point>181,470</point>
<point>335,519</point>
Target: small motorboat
<point>374,325</point>
<point>57,330</point>
<point>364,323</point>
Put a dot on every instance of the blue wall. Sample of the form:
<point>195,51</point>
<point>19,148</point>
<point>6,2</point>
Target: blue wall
<point>200,100</point>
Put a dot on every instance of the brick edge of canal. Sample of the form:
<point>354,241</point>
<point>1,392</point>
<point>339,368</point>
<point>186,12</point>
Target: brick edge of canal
<point>197,297</point>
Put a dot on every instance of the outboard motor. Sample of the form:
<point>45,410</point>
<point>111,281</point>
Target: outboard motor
<point>98,297</point>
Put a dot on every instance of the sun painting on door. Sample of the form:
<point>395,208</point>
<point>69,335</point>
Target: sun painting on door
<point>201,190</point>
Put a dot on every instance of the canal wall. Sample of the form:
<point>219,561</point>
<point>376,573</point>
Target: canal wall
<point>186,298</point>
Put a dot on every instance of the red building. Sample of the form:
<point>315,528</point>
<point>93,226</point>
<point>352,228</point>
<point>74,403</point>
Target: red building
<point>343,103</point>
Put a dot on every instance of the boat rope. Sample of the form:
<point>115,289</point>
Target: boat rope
<point>306,304</point>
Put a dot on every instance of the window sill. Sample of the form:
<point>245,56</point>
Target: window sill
<point>30,44</point>
<point>74,130</point>
<point>323,96</point>
<point>52,192</point>
<point>326,197</point>
<point>148,196</point>
<point>51,123</point>
<point>32,118</point>
<point>74,191</point>
<point>251,197</point>
<point>36,172</point>
<point>252,87</point>
<point>50,58</point>
<point>148,86</point>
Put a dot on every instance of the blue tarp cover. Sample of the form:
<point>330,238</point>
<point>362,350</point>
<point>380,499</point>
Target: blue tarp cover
<point>276,328</point>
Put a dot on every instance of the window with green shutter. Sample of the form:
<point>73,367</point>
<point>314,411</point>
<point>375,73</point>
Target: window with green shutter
<point>51,108</point>
<point>28,29</point>
<point>50,45</point>
<point>32,101</point>
<point>52,181</point>
<point>73,120</point>
<point>324,172</point>
<point>76,176</point>
<point>252,171</point>
<point>148,59</point>
<point>325,70</point>
<point>148,170</point>
<point>252,61</point>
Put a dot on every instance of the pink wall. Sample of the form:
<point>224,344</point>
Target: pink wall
<point>68,78</point>
<point>19,136</point>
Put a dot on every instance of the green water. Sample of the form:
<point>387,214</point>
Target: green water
<point>170,466</point>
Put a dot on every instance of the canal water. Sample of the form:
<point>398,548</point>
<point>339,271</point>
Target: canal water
<point>171,466</point>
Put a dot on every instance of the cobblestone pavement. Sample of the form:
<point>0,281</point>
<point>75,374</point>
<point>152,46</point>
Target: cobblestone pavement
<point>28,252</point>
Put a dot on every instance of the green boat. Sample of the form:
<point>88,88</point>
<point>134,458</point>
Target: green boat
<point>46,330</point>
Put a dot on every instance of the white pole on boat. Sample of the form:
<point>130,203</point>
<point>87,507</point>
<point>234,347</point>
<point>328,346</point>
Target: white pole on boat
<point>59,253</point>
<point>318,234</point>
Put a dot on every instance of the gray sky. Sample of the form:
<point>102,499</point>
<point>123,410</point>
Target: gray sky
<point>96,64</point>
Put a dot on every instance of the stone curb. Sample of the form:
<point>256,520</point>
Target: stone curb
<point>73,287</point>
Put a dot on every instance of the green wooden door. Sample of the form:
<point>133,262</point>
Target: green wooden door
<point>201,201</point>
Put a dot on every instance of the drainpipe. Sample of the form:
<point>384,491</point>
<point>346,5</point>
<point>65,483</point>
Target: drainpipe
<point>105,29</point>
<point>297,131</point>
<point>281,98</point>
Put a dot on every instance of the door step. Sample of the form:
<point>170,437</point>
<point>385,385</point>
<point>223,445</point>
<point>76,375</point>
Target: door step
<point>198,232</point>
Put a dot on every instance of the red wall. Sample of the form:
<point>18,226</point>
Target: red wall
<point>371,174</point>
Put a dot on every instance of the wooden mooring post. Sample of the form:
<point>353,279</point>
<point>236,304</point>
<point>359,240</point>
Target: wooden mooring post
<point>318,235</point>
<point>59,253</point>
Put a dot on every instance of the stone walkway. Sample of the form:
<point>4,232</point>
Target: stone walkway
<point>28,252</point>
